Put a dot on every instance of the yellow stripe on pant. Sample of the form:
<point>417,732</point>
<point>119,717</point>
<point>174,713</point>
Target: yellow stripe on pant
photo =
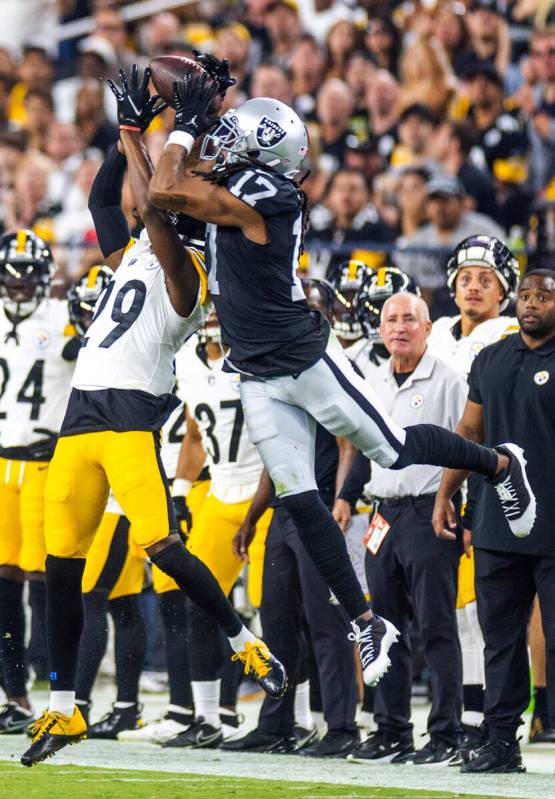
<point>22,489</point>
<point>80,473</point>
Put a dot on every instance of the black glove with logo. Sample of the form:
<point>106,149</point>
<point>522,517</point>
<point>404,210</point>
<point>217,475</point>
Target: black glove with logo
<point>182,512</point>
<point>192,98</point>
<point>136,108</point>
<point>217,68</point>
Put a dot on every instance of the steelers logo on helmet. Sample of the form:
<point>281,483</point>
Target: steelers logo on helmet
<point>84,294</point>
<point>26,270</point>
<point>490,252</point>
<point>541,378</point>
<point>377,287</point>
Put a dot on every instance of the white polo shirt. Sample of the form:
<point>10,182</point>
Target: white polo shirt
<point>433,394</point>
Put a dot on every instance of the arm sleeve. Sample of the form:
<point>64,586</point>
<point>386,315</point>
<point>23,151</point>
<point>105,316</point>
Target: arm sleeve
<point>105,204</point>
<point>357,478</point>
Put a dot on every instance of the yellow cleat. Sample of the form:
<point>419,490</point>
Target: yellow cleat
<point>51,732</point>
<point>258,661</point>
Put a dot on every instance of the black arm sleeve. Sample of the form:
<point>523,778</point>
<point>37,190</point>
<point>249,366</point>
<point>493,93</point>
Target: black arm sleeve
<point>105,204</point>
<point>356,479</point>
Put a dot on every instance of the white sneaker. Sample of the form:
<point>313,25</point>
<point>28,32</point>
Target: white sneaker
<point>155,732</point>
<point>153,682</point>
<point>233,724</point>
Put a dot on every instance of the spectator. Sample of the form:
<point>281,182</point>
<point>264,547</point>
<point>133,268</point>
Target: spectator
<point>234,43</point>
<point>110,26</point>
<point>411,197</point>
<point>416,125</point>
<point>383,41</point>
<point>306,64</point>
<point>90,117</point>
<point>383,104</point>
<point>161,30</point>
<point>450,29</point>
<point>424,76</point>
<point>488,38</point>
<point>96,60</point>
<point>64,147</point>
<point>35,72</point>
<point>541,127</point>
<point>359,72</point>
<point>283,26</point>
<point>341,41</point>
<point>271,80</point>
<point>6,84</point>
<point>363,155</point>
<point>451,147</point>
<point>28,206</point>
<point>449,223</point>
<point>39,113</point>
<point>334,106</point>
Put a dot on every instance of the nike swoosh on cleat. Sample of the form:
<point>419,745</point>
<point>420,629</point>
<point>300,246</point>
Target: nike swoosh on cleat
<point>207,739</point>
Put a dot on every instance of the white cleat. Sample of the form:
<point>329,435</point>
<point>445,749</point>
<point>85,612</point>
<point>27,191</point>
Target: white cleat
<point>518,501</point>
<point>374,641</point>
<point>155,732</point>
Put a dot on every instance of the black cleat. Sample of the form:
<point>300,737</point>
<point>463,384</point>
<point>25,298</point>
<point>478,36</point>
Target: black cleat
<point>381,747</point>
<point>258,661</point>
<point>518,501</point>
<point>495,757</point>
<point>51,733</point>
<point>15,719</point>
<point>199,735</point>
<point>265,742</point>
<point>115,721</point>
<point>335,743</point>
<point>374,639</point>
<point>304,737</point>
<point>540,734</point>
<point>436,752</point>
<point>472,739</point>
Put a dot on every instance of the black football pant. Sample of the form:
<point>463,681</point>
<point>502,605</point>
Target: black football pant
<point>292,587</point>
<point>506,583</point>
<point>414,574</point>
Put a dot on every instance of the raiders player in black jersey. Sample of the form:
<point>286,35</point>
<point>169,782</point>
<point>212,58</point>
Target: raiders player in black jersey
<point>293,372</point>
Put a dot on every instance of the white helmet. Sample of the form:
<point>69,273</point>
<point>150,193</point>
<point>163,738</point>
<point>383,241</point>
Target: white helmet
<point>261,129</point>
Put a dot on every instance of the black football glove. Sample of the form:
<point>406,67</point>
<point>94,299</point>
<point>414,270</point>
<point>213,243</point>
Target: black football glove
<point>182,512</point>
<point>217,68</point>
<point>192,98</point>
<point>136,108</point>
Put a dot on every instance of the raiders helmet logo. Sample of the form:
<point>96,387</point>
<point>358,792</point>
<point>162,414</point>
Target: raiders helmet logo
<point>269,133</point>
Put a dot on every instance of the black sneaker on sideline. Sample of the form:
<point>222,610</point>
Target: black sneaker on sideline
<point>382,747</point>
<point>472,739</point>
<point>495,757</point>
<point>540,734</point>
<point>199,735</point>
<point>436,752</point>
<point>518,501</point>
<point>304,737</point>
<point>14,719</point>
<point>115,721</point>
<point>335,743</point>
<point>374,639</point>
<point>259,741</point>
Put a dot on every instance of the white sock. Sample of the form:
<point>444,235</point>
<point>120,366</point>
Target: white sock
<point>238,641</point>
<point>472,717</point>
<point>123,705</point>
<point>206,696</point>
<point>62,702</point>
<point>303,716</point>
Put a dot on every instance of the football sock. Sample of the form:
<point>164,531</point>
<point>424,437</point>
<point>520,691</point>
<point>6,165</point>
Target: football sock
<point>12,638</point>
<point>206,696</point>
<point>231,673</point>
<point>173,607</point>
<point>124,705</point>
<point>325,545</point>
<point>199,584</point>
<point>368,699</point>
<point>62,702</point>
<point>239,641</point>
<point>92,645</point>
<point>434,446</point>
<point>64,619</point>
<point>303,716</point>
<point>130,646</point>
<point>36,651</point>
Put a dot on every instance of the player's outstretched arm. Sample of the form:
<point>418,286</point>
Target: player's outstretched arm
<point>181,275</point>
<point>110,223</point>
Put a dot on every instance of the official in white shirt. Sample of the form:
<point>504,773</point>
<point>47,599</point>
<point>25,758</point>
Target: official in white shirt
<point>409,575</point>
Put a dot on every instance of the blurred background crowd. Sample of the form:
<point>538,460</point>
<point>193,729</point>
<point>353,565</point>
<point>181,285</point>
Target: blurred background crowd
<point>428,119</point>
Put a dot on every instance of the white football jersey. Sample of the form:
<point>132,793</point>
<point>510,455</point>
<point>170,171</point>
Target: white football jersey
<point>212,399</point>
<point>35,379</point>
<point>135,330</point>
<point>458,353</point>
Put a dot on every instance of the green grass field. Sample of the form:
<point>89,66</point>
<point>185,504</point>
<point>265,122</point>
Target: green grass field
<point>78,782</point>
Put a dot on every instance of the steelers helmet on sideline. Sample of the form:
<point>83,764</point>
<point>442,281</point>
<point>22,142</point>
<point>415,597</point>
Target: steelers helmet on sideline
<point>210,332</point>
<point>319,295</point>
<point>346,280</point>
<point>26,271</point>
<point>83,296</point>
<point>374,292</point>
<point>490,252</point>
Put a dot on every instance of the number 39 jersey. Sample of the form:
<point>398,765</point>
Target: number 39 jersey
<point>212,399</point>
<point>263,313</point>
<point>35,379</point>
<point>135,330</point>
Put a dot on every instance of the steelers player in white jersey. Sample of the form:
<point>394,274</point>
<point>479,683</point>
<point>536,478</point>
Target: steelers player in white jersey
<point>216,428</point>
<point>34,385</point>
<point>121,396</point>
<point>482,275</point>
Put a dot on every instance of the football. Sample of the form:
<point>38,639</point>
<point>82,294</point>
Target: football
<point>168,69</point>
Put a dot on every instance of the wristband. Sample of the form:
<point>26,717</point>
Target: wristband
<point>130,127</point>
<point>181,487</point>
<point>182,138</point>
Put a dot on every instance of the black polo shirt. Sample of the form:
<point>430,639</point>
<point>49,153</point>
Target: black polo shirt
<point>516,387</point>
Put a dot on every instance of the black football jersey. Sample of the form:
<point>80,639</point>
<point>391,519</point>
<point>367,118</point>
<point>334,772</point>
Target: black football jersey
<point>264,316</point>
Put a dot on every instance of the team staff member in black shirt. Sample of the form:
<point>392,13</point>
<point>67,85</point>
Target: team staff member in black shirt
<point>512,395</point>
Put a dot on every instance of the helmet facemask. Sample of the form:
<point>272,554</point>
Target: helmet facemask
<point>22,287</point>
